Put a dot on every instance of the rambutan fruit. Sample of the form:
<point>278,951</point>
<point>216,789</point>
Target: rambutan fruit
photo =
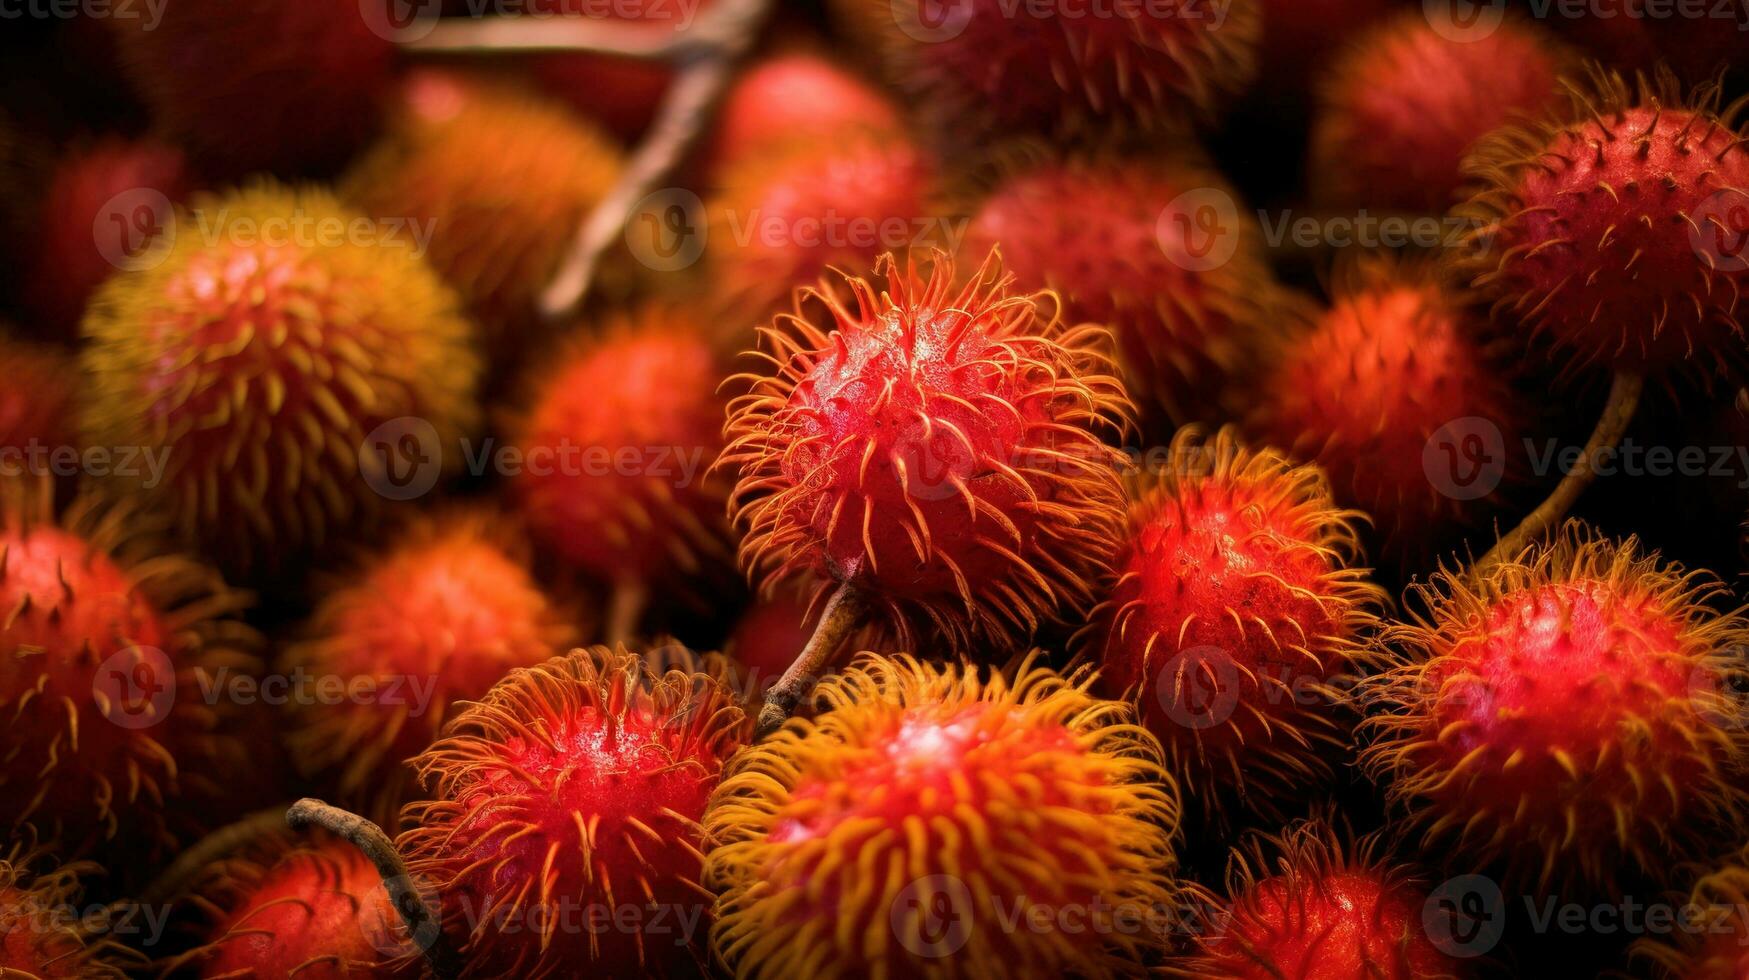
<point>1564,714</point>
<point>769,636</point>
<point>1613,229</point>
<point>789,98</point>
<point>618,449</point>
<point>620,94</point>
<point>1304,904</point>
<point>1237,609</point>
<point>105,642</point>
<point>895,833</point>
<point>564,831</point>
<point>1403,105</point>
<point>36,405</point>
<point>1714,944</point>
<point>1159,252</point>
<point>102,205</point>
<point>40,934</point>
<point>1300,36</point>
<point>258,355</point>
<point>436,619</point>
<point>260,84</point>
<point>936,450</point>
<point>318,911</point>
<point>499,178</point>
<point>1062,67</point>
<point>785,217</point>
<point>1368,387</point>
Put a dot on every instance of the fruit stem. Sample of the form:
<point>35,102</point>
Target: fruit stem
<point>218,844</point>
<point>843,614</point>
<point>1618,411</point>
<point>625,609</point>
<point>571,35</point>
<point>422,926</point>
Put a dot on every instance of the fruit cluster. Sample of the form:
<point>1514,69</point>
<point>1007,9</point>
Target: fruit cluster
<point>995,488</point>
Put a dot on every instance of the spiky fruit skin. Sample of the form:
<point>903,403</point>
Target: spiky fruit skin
<point>260,84</point>
<point>790,98</point>
<point>619,442</point>
<point>37,940</point>
<point>1098,232</point>
<point>938,449</point>
<point>318,913</point>
<point>36,406</point>
<point>260,362</point>
<point>1716,945</point>
<point>65,263</point>
<point>99,739</point>
<point>1404,104</point>
<point>1302,904</point>
<point>1237,609</point>
<point>941,783</point>
<point>1056,68</point>
<point>1610,229</point>
<point>435,620</point>
<point>786,217</point>
<point>1566,716</point>
<point>1361,387</point>
<point>501,178</point>
<point>575,785</point>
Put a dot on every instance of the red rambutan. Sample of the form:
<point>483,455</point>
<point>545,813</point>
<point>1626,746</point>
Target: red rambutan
<point>1300,35</point>
<point>895,833</point>
<point>500,179</point>
<point>1713,944</point>
<point>41,936</point>
<point>1303,904</point>
<point>791,98</point>
<point>936,450</point>
<point>260,84</point>
<point>1403,105</point>
<point>1160,253</point>
<point>1564,713</point>
<point>567,805</point>
<point>769,636</point>
<point>259,353</point>
<point>106,644</point>
<point>1373,387</point>
<point>621,94</point>
<point>1616,228</point>
<point>1237,608</point>
<point>437,619</point>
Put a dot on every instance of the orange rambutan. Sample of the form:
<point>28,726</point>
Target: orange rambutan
<point>435,620</point>
<point>567,804</point>
<point>105,644</point>
<point>1564,713</point>
<point>41,935</point>
<point>936,449</point>
<point>1238,610</point>
<point>923,807</point>
<point>258,353</point>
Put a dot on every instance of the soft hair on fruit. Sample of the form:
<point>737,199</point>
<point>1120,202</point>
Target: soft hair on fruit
<point>1720,898</point>
<point>822,905</point>
<point>37,906</point>
<point>1077,500</point>
<point>1712,644</point>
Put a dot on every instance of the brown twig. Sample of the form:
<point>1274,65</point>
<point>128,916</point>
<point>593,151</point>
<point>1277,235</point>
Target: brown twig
<point>423,926</point>
<point>1618,412</point>
<point>844,612</point>
<point>568,35</point>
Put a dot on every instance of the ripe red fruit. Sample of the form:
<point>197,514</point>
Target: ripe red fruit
<point>894,834</point>
<point>567,803</point>
<point>258,357</point>
<point>499,178</point>
<point>621,94</point>
<point>104,643</point>
<point>1616,228</point>
<point>36,405</point>
<point>437,619</point>
<point>109,194</point>
<point>1403,105</point>
<point>1567,715</point>
<point>318,912</point>
<point>1714,944</point>
<point>260,84</point>
<point>1059,67</point>
<point>618,448</point>
<point>769,636</point>
<point>1159,252</point>
<point>790,98</point>
<point>1300,36</point>
<point>37,938</point>
<point>1237,609</point>
<point>937,449</point>
<point>1364,387</point>
<point>1302,904</point>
